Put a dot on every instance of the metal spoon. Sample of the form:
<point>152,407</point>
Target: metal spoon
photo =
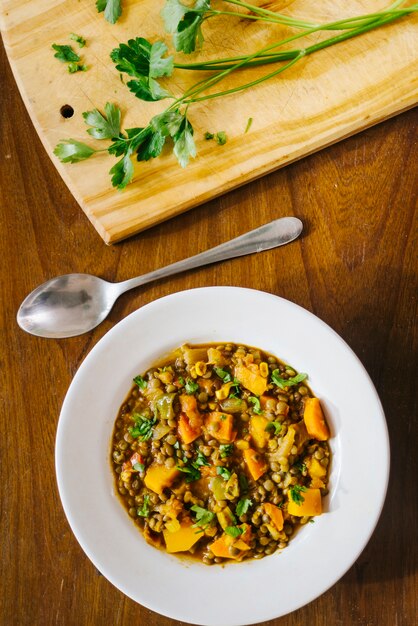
<point>73,304</point>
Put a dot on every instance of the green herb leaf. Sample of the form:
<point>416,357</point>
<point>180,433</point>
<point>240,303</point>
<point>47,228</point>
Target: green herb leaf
<point>139,467</point>
<point>203,516</point>
<point>289,382</point>
<point>257,406</point>
<point>295,492</point>
<point>145,62</point>
<point>192,472</point>
<point>65,53</point>
<point>233,531</point>
<point>144,511</point>
<point>301,466</point>
<point>209,136</point>
<point>122,172</point>
<point>243,483</point>
<point>274,427</point>
<point>104,126</point>
<point>143,427</point>
<point>191,387</point>
<point>112,9</point>
<point>221,138</point>
<point>141,382</point>
<point>223,374</point>
<point>201,460</point>
<point>72,151</point>
<point>151,147</point>
<point>243,506</point>
<point>224,472</point>
<point>185,23</point>
<point>226,449</point>
<point>79,39</point>
<point>228,378</point>
<point>184,145</point>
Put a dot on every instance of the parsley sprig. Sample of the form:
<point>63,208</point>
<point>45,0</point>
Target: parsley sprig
<point>203,517</point>
<point>286,382</point>
<point>146,62</point>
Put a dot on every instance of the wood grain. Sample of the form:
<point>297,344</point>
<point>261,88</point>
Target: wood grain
<point>324,98</point>
<point>355,267</point>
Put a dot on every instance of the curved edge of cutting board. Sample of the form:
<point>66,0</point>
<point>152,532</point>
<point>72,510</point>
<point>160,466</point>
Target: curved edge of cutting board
<point>158,194</point>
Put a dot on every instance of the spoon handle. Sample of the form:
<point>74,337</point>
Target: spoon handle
<point>271,235</point>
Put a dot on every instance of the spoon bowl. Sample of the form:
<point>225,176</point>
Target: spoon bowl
<point>74,304</point>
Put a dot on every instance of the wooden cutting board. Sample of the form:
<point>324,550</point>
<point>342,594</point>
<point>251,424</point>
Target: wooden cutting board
<point>322,99</point>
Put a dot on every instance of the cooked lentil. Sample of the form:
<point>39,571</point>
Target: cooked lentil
<point>212,449</point>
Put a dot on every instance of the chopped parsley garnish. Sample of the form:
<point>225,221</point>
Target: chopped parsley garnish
<point>143,511</point>
<point>286,382</point>
<point>191,387</point>
<point>208,136</point>
<point>233,531</point>
<point>143,427</point>
<point>65,54</point>
<point>301,466</point>
<point>257,406</point>
<point>228,378</point>
<point>224,472</point>
<point>243,506</point>
<point>295,494</point>
<point>223,374</point>
<point>141,382</point>
<point>226,449</point>
<point>201,460</point>
<point>203,516</point>
<point>274,427</point>
<point>79,39</point>
<point>138,467</point>
<point>243,483</point>
<point>192,472</point>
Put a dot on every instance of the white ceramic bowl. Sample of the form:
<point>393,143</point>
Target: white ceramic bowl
<point>239,593</point>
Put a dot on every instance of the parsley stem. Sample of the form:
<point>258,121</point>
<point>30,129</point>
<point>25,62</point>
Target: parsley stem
<point>353,25</point>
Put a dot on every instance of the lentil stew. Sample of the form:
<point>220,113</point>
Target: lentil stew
<point>220,452</point>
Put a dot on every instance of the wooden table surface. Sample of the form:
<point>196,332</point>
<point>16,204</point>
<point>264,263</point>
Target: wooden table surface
<point>355,267</point>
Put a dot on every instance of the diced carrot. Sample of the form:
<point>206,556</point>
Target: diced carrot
<point>311,505</point>
<point>315,420</point>
<point>259,435</point>
<point>251,380</point>
<point>189,407</point>
<point>136,458</point>
<point>185,430</point>
<point>222,547</point>
<point>158,477</point>
<point>182,539</point>
<point>275,515</point>
<point>255,463</point>
<point>220,426</point>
